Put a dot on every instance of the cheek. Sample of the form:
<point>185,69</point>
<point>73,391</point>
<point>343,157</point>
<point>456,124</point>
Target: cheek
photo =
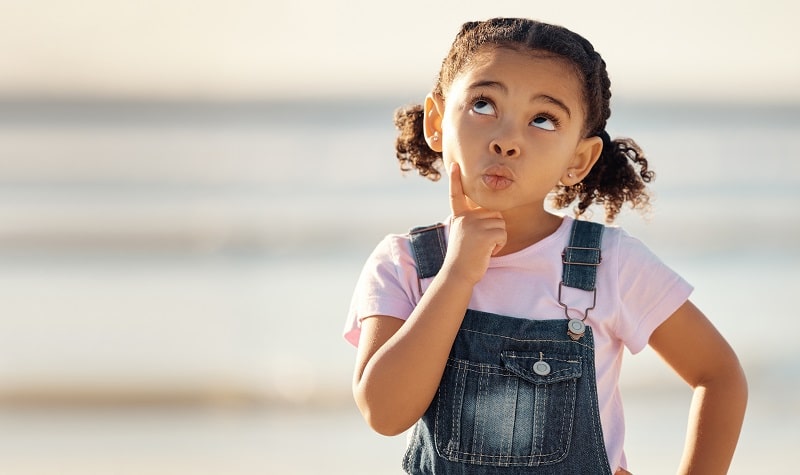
<point>453,149</point>
<point>559,150</point>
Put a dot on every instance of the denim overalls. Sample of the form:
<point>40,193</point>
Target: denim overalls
<point>517,396</point>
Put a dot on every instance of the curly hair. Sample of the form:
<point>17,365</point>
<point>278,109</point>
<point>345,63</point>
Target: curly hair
<point>620,174</point>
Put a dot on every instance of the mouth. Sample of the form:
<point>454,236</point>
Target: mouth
<point>498,177</point>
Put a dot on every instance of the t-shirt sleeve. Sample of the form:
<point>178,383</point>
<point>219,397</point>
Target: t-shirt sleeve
<point>384,286</point>
<point>649,291</point>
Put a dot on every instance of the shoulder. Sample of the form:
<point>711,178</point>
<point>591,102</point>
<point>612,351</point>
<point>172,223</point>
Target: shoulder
<point>393,257</point>
<point>396,248</point>
<point>634,268</point>
<point>384,286</point>
<point>388,284</point>
<point>647,290</point>
<point>628,250</point>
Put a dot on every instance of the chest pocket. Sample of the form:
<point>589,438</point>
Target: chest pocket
<point>517,412</point>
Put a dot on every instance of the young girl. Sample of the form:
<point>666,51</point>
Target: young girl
<point>499,334</point>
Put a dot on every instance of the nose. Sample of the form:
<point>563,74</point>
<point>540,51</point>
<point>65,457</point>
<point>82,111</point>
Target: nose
<point>504,148</point>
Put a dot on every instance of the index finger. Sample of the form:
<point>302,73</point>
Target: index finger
<point>458,200</point>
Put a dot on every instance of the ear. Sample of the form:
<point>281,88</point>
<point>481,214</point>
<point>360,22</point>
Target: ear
<point>586,155</point>
<point>432,121</point>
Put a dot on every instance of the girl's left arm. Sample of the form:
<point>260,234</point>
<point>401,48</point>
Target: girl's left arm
<point>690,344</point>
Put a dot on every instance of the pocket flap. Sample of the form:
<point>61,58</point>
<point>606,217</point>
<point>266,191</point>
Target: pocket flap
<point>561,367</point>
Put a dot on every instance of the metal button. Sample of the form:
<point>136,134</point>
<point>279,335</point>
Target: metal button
<point>576,326</point>
<point>541,368</point>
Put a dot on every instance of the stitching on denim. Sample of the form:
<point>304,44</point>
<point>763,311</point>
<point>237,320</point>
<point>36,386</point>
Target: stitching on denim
<point>526,340</point>
<point>460,362</point>
<point>499,372</point>
<point>567,423</point>
<point>479,430</point>
<point>567,270</point>
<point>507,443</point>
<point>537,442</point>
<point>477,455</point>
<point>495,370</point>
<point>583,277</point>
<point>441,396</point>
<point>440,240</point>
<point>550,358</point>
<point>602,457</point>
<point>457,409</point>
<point>570,395</point>
<point>422,251</point>
<point>516,459</point>
<point>417,259</point>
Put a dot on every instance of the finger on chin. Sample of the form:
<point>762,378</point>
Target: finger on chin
<point>458,200</point>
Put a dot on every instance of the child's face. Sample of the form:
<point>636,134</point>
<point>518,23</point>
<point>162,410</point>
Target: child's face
<point>514,123</point>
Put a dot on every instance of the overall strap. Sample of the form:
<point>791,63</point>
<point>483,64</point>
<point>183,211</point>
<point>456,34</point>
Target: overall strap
<point>580,258</point>
<point>428,247</point>
<point>582,255</point>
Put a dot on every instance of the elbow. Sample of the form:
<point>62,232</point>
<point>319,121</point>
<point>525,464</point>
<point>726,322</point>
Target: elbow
<point>737,389</point>
<point>387,421</point>
<point>743,385</point>
<point>739,379</point>
<point>732,382</point>
<point>384,426</point>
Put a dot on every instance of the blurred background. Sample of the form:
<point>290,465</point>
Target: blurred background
<point>188,190</point>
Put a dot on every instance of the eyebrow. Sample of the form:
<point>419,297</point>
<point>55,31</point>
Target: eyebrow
<point>538,97</point>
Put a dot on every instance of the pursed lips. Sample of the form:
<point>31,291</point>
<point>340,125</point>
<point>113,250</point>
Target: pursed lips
<point>498,177</point>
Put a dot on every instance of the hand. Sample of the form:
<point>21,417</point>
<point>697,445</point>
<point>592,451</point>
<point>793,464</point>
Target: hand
<point>476,234</point>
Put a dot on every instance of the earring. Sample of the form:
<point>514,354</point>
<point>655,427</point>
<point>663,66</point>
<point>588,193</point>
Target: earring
<point>435,137</point>
<point>571,175</point>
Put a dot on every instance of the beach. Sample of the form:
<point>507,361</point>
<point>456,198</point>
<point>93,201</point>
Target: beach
<point>174,280</point>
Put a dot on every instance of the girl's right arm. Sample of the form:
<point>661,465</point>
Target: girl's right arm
<point>399,364</point>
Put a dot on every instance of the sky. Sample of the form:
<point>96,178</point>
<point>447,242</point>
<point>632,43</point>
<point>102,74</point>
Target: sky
<point>254,49</point>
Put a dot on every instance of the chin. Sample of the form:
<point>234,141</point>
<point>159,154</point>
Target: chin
<point>489,204</point>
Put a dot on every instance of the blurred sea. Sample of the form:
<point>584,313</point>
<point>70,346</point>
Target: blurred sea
<point>174,279</point>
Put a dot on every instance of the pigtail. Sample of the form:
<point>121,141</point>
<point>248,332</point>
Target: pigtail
<point>619,176</point>
<point>411,148</point>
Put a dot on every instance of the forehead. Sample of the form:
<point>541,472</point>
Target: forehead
<point>532,69</point>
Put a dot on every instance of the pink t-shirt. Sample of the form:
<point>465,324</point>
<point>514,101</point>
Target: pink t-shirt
<point>636,292</point>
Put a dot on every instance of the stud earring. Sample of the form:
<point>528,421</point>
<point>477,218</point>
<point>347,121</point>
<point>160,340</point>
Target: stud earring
<point>571,175</point>
<point>435,137</point>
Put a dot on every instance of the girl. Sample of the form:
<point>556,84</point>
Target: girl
<point>499,334</point>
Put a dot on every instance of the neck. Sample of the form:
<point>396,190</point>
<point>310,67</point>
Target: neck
<point>524,228</point>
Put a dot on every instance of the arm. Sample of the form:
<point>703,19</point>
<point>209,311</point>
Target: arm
<point>400,364</point>
<point>690,344</point>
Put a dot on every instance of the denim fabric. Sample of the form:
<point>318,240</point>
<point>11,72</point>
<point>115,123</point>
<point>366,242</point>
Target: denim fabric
<point>582,256</point>
<point>428,244</point>
<point>498,412</point>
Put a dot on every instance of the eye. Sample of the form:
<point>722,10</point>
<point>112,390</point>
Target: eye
<point>545,122</point>
<point>483,106</point>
